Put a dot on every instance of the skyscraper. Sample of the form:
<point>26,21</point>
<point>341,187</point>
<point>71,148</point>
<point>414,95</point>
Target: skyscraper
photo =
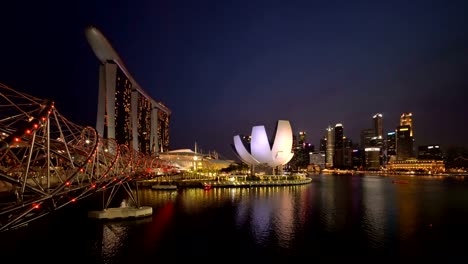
<point>406,119</point>
<point>323,144</point>
<point>125,111</point>
<point>302,138</point>
<point>404,143</point>
<point>391,146</point>
<point>366,136</point>
<point>378,125</point>
<point>330,147</point>
<point>339,146</point>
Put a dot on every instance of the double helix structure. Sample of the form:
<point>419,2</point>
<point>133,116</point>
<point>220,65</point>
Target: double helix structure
<point>48,162</point>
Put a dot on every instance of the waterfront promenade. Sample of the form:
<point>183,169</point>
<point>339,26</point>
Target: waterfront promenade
<point>235,181</point>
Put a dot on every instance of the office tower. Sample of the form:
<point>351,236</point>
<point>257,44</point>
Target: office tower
<point>404,143</point>
<point>366,136</point>
<point>372,155</point>
<point>347,152</point>
<point>329,156</point>
<point>391,146</point>
<point>357,157</point>
<point>378,125</point>
<point>125,111</point>
<point>302,138</point>
<point>339,146</point>
<point>430,152</point>
<point>406,119</point>
<point>323,144</point>
<point>317,158</point>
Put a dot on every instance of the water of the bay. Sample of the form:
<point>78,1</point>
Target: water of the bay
<point>339,218</point>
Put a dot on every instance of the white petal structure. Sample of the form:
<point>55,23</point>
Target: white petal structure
<point>243,153</point>
<point>261,151</point>
<point>259,144</point>
<point>282,146</point>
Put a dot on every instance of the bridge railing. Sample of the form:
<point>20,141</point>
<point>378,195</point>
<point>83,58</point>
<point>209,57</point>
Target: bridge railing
<point>48,162</point>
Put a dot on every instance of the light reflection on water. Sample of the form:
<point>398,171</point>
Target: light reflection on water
<point>352,215</point>
<point>374,211</point>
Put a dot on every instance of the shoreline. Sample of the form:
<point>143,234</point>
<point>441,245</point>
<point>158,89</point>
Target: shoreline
<point>391,173</point>
<point>202,183</point>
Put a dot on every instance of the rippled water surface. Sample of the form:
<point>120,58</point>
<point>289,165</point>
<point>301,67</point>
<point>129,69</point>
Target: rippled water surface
<point>336,217</point>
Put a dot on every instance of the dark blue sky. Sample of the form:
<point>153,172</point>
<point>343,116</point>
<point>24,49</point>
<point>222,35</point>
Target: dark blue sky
<point>225,66</point>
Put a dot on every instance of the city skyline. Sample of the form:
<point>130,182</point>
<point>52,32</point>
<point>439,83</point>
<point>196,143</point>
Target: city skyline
<point>225,67</point>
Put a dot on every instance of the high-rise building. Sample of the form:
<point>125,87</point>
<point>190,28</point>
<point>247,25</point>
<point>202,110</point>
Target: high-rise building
<point>404,143</point>
<point>302,138</point>
<point>406,119</point>
<point>338,161</point>
<point>430,152</point>
<point>378,125</point>
<point>323,144</point>
<point>347,152</point>
<point>377,140</point>
<point>125,111</point>
<point>317,158</point>
<point>330,147</point>
<point>366,136</point>
<point>372,158</point>
<point>391,146</point>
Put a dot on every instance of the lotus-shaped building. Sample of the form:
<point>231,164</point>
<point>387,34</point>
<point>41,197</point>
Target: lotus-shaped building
<point>261,151</point>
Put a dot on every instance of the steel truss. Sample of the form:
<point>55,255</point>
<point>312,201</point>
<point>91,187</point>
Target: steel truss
<point>48,162</point>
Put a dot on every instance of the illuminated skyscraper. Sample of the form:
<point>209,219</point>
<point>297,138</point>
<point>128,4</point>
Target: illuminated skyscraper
<point>323,144</point>
<point>404,143</point>
<point>406,119</point>
<point>366,137</point>
<point>378,126</point>
<point>430,152</point>
<point>339,146</point>
<point>330,147</point>
<point>302,138</point>
<point>391,146</point>
<point>125,111</point>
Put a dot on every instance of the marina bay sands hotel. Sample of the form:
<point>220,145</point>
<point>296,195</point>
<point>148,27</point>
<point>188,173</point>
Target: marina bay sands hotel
<point>125,111</point>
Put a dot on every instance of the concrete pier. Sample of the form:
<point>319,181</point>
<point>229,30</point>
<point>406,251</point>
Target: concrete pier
<point>121,212</point>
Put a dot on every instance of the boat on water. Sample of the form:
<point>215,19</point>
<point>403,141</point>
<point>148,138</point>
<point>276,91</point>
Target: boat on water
<point>207,186</point>
<point>167,187</point>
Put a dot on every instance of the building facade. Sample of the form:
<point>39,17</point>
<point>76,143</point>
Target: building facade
<point>391,146</point>
<point>430,152</point>
<point>125,111</point>
<point>329,155</point>
<point>404,143</point>
<point>432,166</point>
<point>338,161</point>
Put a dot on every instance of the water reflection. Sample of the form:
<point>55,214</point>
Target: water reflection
<point>334,215</point>
<point>374,217</point>
<point>336,204</point>
<point>154,233</point>
<point>113,237</point>
<point>273,210</point>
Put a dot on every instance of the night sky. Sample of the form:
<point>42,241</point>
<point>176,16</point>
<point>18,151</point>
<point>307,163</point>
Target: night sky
<point>225,66</point>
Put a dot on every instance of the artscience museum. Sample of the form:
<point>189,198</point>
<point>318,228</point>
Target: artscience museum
<point>260,150</point>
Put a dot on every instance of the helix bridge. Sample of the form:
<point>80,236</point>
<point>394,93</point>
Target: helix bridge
<point>48,162</point>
